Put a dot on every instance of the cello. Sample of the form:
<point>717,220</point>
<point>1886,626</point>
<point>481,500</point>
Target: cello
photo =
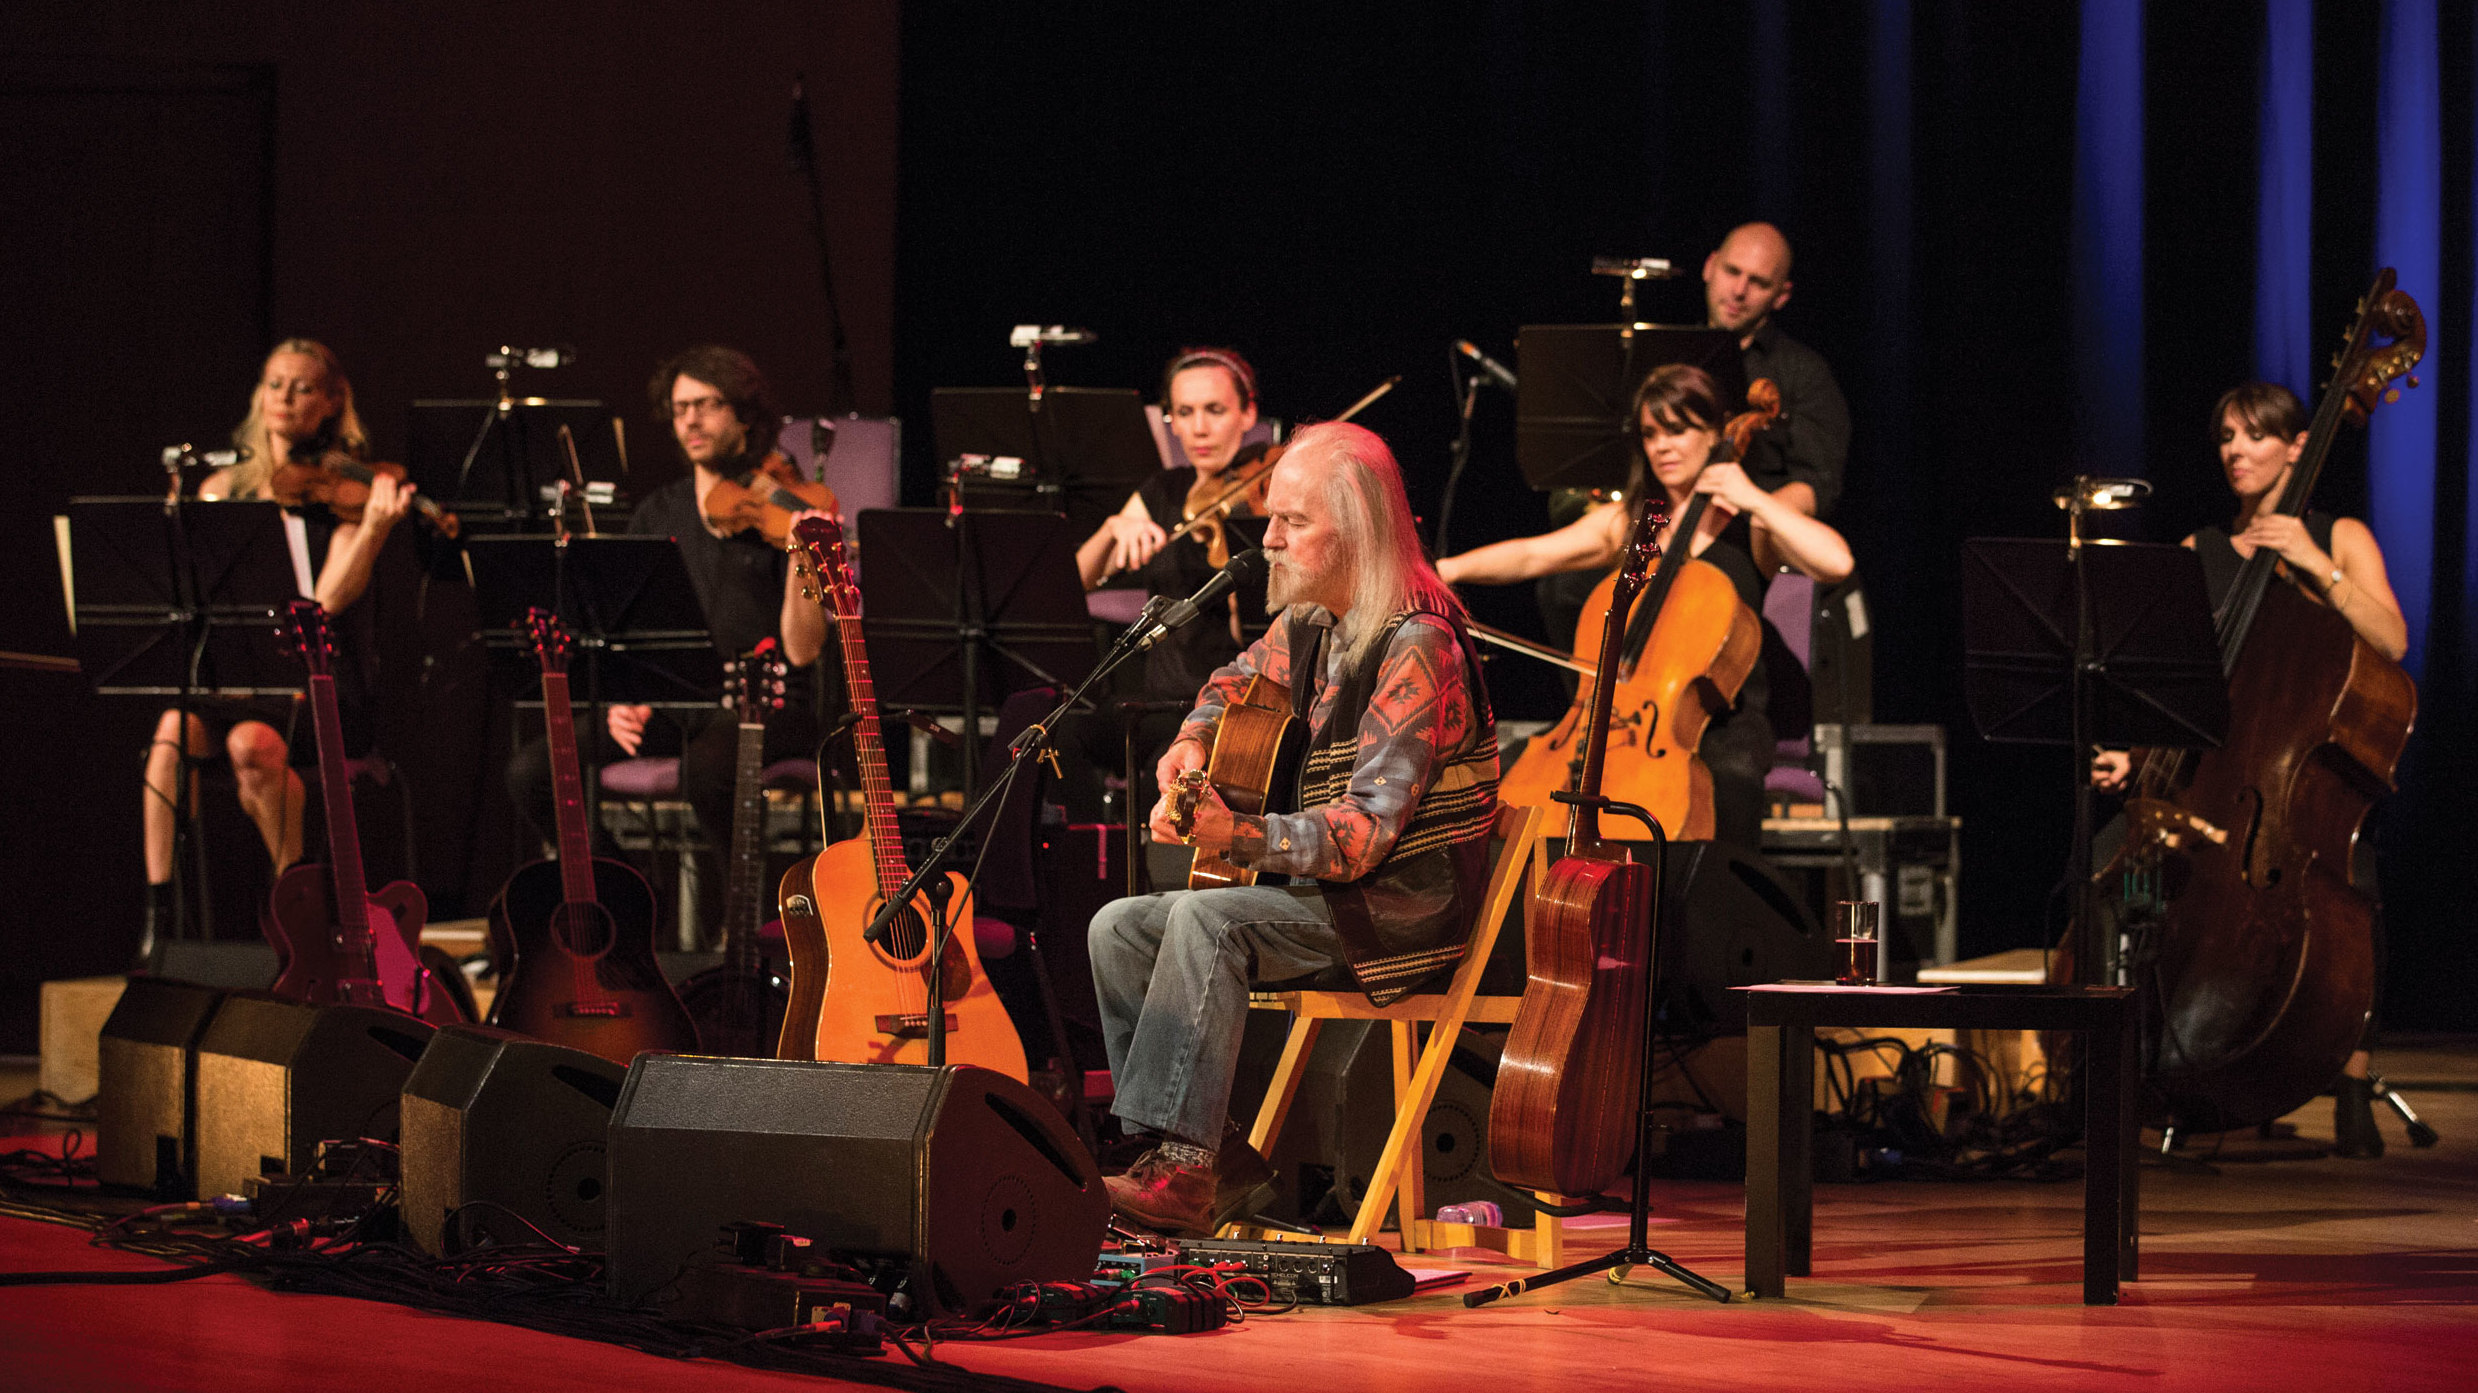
<point>1563,1117</point>
<point>2253,949</point>
<point>1689,649</point>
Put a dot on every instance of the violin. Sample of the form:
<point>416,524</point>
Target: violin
<point>341,484</point>
<point>1687,651</point>
<point>766,498</point>
<point>1209,500</point>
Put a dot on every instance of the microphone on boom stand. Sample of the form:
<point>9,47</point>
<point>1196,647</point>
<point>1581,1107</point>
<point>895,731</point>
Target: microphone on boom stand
<point>1246,567</point>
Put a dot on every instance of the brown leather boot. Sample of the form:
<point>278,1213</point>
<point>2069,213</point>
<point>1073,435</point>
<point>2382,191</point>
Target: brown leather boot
<point>1242,1178</point>
<point>1166,1197</point>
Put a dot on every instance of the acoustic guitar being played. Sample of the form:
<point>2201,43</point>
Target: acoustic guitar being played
<point>855,1000</point>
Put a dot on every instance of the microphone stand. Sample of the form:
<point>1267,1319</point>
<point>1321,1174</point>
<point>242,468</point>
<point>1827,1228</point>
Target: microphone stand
<point>1461,454</point>
<point>1033,744</point>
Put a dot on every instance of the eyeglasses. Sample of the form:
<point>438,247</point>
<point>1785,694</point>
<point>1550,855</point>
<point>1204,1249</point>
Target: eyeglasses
<point>698,406</point>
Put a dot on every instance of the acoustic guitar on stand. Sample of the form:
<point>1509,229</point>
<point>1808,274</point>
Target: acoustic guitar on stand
<point>738,1005</point>
<point>336,943</point>
<point>1564,1117</point>
<point>580,927</point>
<point>854,1000</point>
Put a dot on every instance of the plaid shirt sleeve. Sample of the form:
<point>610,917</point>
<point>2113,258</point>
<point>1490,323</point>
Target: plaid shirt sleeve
<point>1420,714</point>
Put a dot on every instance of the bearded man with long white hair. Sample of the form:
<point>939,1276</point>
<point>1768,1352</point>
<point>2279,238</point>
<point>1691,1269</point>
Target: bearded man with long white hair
<point>1372,859</point>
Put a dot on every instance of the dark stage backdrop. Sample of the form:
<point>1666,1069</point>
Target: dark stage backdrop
<point>1340,193</point>
<point>413,184</point>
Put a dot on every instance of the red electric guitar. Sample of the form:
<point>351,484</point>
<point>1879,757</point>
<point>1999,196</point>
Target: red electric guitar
<point>854,1001</point>
<point>337,943</point>
<point>580,928</point>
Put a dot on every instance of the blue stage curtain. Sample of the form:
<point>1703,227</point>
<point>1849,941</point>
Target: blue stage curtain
<point>2408,237</point>
<point>2284,335</point>
<point>2107,239</point>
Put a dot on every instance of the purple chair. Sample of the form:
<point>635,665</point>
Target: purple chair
<point>1789,606</point>
<point>650,788</point>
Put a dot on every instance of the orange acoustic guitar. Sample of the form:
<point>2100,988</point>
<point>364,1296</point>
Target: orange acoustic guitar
<point>854,1001</point>
<point>1687,652</point>
<point>1564,1118</point>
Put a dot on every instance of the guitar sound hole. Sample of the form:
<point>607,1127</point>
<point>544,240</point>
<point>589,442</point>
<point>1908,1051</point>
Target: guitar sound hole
<point>908,936</point>
<point>583,930</point>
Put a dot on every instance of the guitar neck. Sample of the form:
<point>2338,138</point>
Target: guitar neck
<point>335,783</point>
<point>869,745</point>
<point>744,898</point>
<point>576,845</point>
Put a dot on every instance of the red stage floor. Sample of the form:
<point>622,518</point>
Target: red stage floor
<point>2282,1274</point>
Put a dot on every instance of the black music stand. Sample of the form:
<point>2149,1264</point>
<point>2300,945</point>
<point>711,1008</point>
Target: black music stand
<point>2092,645</point>
<point>489,461</point>
<point>176,601</point>
<point>961,609</point>
<point>1575,380</point>
<point>1086,448</point>
<point>626,602</point>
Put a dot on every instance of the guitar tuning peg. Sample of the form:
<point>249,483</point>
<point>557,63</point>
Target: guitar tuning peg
<point>2413,381</point>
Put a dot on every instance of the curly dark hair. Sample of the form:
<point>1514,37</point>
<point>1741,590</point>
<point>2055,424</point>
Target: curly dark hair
<point>732,373</point>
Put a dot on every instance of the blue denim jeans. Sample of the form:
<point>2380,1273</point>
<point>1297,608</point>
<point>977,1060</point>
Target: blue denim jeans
<point>1172,974</point>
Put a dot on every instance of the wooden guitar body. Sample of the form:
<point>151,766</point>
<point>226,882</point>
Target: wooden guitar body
<point>585,975</point>
<point>866,999</point>
<point>738,1011</point>
<point>300,920</point>
<point>1570,1130</point>
<point>1700,651</point>
<point>1257,745</point>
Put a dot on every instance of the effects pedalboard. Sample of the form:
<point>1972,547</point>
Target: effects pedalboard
<point>1312,1274</point>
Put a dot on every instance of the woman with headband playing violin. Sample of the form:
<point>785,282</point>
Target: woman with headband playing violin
<point>1748,533</point>
<point>1209,399</point>
<point>301,437</point>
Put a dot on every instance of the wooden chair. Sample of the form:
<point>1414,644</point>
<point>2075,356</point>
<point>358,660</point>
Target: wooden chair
<point>1418,1070</point>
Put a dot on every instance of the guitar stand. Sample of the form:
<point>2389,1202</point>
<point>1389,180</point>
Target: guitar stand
<point>1638,1251</point>
<point>2420,1134</point>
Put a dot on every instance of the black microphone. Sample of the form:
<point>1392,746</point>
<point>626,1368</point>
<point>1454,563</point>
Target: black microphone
<point>1246,567</point>
<point>1497,372</point>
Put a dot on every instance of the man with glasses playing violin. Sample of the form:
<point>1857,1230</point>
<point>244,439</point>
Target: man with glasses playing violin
<point>722,413</point>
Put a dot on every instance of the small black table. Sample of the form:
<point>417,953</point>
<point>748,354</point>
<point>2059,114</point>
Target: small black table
<point>1780,1107</point>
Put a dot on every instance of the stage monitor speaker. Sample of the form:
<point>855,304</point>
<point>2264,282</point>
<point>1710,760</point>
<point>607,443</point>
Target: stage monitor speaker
<point>146,1106</point>
<point>511,1131</point>
<point>275,1078</point>
<point>968,1174</point>
<point>1728,921</point>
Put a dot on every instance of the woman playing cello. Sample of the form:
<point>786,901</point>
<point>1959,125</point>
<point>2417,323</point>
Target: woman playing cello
<point>2334,561</point>
<point>1748,534</point>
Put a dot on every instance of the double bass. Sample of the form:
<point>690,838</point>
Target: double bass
<point>1563,1117</point>
<point>1689,649</point>
<point>2253,949</point>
